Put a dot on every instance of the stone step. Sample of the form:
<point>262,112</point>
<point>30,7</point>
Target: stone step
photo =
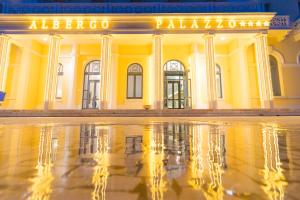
<point>149,113</point>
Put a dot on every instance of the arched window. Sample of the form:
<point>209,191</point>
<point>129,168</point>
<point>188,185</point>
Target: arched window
<point>91,85</point>
<point>174,66</point>
<point>59,83</point>
<point>134,81</point>
<point>298,58</point>
<point>275,76</point>
<point>219,81</point>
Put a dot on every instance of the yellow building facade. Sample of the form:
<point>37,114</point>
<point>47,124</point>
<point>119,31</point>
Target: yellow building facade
<point>201,61</point>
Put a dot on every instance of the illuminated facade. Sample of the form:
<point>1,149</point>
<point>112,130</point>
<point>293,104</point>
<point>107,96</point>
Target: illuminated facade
<point>149,55</point>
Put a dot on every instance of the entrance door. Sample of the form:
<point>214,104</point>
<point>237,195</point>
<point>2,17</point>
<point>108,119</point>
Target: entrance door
<point>91,85</point>
<point>93,95</point>
<point>175,96</point>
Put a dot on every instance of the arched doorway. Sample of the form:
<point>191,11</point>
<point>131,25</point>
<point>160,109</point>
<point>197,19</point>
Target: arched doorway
<point>175,85</point>
<point>91,85</point>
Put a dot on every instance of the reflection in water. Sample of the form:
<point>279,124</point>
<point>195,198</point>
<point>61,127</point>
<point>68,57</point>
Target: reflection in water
<point>158,183</point>
<point>273,177</point>
<point>212,187</point>
<point>158,161</point>
<point>196,165</point>
<point>94,141</point>
<point>176,144</point>
<point>133,152</point>
<point>41,183</point>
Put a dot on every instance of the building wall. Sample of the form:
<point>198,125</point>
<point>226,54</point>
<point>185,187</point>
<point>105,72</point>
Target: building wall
<point>127,55</point>
<point>286,53</point>
<point>237,59</point>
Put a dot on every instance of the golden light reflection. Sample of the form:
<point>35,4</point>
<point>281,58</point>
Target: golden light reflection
<point>215,188</point>
<point>158,184</point>
<point>101,158</point>
<point>273,177</point>
<point>197,169</point>
<point>213,156</point>
<point>41,183</point>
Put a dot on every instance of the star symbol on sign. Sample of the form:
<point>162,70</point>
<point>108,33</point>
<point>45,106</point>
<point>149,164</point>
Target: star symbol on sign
<point>258,23</point>
<point>266,23</point>
<point>250,23</point>
<point>243,23</point>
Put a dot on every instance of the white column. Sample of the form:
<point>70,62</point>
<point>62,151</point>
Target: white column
<point>263,71</point>
<point>105,82</point>
<point>195,77</point>
<point>210,70</point>
<point>51,76</point>
<point>4,57</point>
<point>159,85</point>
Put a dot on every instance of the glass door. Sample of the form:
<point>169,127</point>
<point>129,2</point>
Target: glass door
<point>93,94</point>
<point>175,94</point>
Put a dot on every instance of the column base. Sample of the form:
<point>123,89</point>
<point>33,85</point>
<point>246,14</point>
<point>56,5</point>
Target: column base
<point>267,104</point>
<point>212,105</point>
<point>158,105</point>
<point>103,105</point>
<point>48,105</point>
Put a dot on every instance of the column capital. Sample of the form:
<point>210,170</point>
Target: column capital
<point>157,35</point>
<point>208,35</point>
<point>55,36</point>
<point>106,36</point>
<point>261,34</point>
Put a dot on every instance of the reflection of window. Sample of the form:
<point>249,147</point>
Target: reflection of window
<point>59,84</point>
<point>275,76</point>
<point>133,144</point>
<point>135,81</point>
<point>219,81</point>
<point>298,58</point>
<point>88,139</point>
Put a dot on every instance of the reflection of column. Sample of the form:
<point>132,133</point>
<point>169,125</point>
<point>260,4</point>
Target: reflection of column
<point>51,76</point>
<point>215,161</point>
<point>101,158</point>
<point>156,157</point>
<point>157,50</point>
<point>197,169</point>
<point>106,68</point>
<point>4,56</point>
<point>263,71</point>
<point>41,183</point>
<point>207,160</point>
<point>210,71</point>
<point>273,177</point>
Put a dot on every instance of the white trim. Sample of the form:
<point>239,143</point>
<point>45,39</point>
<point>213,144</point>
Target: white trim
<point>280,62</point>
<point>276,54</point>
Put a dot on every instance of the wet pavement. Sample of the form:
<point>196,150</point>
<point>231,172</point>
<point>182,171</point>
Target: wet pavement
<point>144,159</point>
